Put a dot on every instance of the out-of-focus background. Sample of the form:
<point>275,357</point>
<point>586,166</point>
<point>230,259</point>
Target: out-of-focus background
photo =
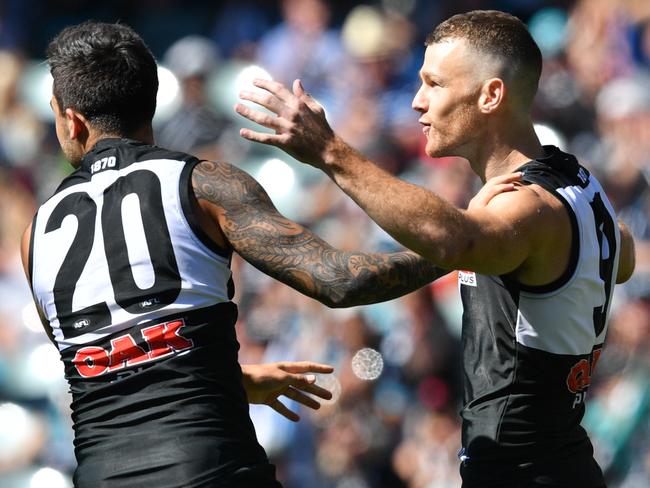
<point>360,59</point>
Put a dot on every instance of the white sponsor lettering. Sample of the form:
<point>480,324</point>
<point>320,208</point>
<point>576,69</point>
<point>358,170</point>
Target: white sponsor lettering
<point>103,163</point>
<point>467,278</point>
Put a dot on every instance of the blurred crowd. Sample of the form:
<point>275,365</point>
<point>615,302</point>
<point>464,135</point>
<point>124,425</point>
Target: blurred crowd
<point>360,60</point>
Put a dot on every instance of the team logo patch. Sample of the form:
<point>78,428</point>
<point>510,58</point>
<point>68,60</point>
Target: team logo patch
<point>467,278</point>
<point>81,323</point>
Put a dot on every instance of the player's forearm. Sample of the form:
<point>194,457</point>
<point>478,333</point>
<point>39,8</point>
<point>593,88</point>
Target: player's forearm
<point>415,217</point>
<point>373,278</point>
<point>344,279</point>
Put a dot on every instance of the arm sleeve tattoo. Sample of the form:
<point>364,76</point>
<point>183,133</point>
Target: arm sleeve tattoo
<point>294,255</point>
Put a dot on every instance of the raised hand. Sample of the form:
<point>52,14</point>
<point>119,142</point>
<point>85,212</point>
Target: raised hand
<point>265,383</point>
<point>298,120</point>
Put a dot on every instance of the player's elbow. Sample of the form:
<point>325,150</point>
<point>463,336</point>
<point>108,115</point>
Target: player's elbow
<point>352,292</point>
<point>337,296</point>
<point>337,301</point>
<point>351,295</point>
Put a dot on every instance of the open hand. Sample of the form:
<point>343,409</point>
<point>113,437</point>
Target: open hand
<point>493,187</point>
<point>264,383</point>
<point>299,122</point>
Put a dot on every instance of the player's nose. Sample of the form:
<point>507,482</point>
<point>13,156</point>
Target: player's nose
<point>419,103</point>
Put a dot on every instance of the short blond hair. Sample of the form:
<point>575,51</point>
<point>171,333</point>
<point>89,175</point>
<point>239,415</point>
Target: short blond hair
<point>501,36</point>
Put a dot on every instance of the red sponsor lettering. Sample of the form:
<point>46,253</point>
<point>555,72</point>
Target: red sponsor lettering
<point>594,360</point>
<point>125,352</point>
<point>578,378</point>
<point>162,340</point>
<point>91,361</point>
<point>580,375</point>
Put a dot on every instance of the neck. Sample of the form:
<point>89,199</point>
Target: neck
<point>144,134</point>
<point>505,147</point>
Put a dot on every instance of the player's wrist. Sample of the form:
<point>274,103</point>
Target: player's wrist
<point>336,156</point>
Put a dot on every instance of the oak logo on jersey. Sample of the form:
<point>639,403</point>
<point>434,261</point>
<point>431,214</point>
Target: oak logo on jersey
<point>579,377</point>
<point>161,340</point>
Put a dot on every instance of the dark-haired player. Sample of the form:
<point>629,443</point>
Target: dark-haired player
<point>539,264</point>
<point>129,263</point>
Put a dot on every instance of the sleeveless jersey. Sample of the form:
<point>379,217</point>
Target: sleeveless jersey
<point>529,352</point>
<point>137,298</point>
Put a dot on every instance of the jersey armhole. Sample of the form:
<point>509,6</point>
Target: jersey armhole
<point>572,265</point>
<point>30,254</point>
<point>185,189</point>
<point>30,267</point>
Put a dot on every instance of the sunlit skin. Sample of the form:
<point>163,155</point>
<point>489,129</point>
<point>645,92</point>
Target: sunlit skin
<point>468,107</point>
<point>465,104</point>
<point>447,99</point>
<point>77,135</point>
<point>69,132</point>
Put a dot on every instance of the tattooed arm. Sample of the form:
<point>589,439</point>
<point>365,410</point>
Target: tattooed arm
<point>237,212</point>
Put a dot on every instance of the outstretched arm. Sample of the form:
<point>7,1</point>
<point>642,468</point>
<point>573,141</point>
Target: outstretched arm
<point>234,202</point>
<point>496,238</point>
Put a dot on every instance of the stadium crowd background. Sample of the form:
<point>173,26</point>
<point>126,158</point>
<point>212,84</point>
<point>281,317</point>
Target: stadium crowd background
<point>360,59</point>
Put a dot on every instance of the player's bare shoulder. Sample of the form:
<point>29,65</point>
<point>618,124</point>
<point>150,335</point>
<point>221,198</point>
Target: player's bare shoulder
<point>549,223</point>
<point>529,208</point>
<point>527,232</point>
<point>222,183</point>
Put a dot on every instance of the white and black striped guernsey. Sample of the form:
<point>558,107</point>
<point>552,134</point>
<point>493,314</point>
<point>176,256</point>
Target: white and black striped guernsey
<point>138,301</point>
<point>529,352</point>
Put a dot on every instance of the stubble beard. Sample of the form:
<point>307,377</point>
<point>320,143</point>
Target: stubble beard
<point>72,153</point>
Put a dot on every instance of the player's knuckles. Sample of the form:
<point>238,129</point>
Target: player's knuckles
<point>300,379</point>
<point>242,110</point>
<point>266,99</point>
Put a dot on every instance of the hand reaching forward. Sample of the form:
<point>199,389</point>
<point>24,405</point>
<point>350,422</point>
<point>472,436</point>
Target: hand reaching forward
<point>299,122</point>
<point>264,383</point>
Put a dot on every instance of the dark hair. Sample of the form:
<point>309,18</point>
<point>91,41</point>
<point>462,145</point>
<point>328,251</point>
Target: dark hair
<point>503,36</point>
<point>105,72</point>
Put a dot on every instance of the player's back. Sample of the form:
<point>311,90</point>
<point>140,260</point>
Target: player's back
<point>138,301</point>
<point>530,352</point>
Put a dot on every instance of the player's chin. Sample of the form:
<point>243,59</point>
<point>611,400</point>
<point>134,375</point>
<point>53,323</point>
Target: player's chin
<point>440,149</point>
<point>434,149</point>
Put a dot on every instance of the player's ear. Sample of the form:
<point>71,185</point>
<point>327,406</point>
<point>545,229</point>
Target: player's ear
<point>76,124</point>
<point>492,95</point>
